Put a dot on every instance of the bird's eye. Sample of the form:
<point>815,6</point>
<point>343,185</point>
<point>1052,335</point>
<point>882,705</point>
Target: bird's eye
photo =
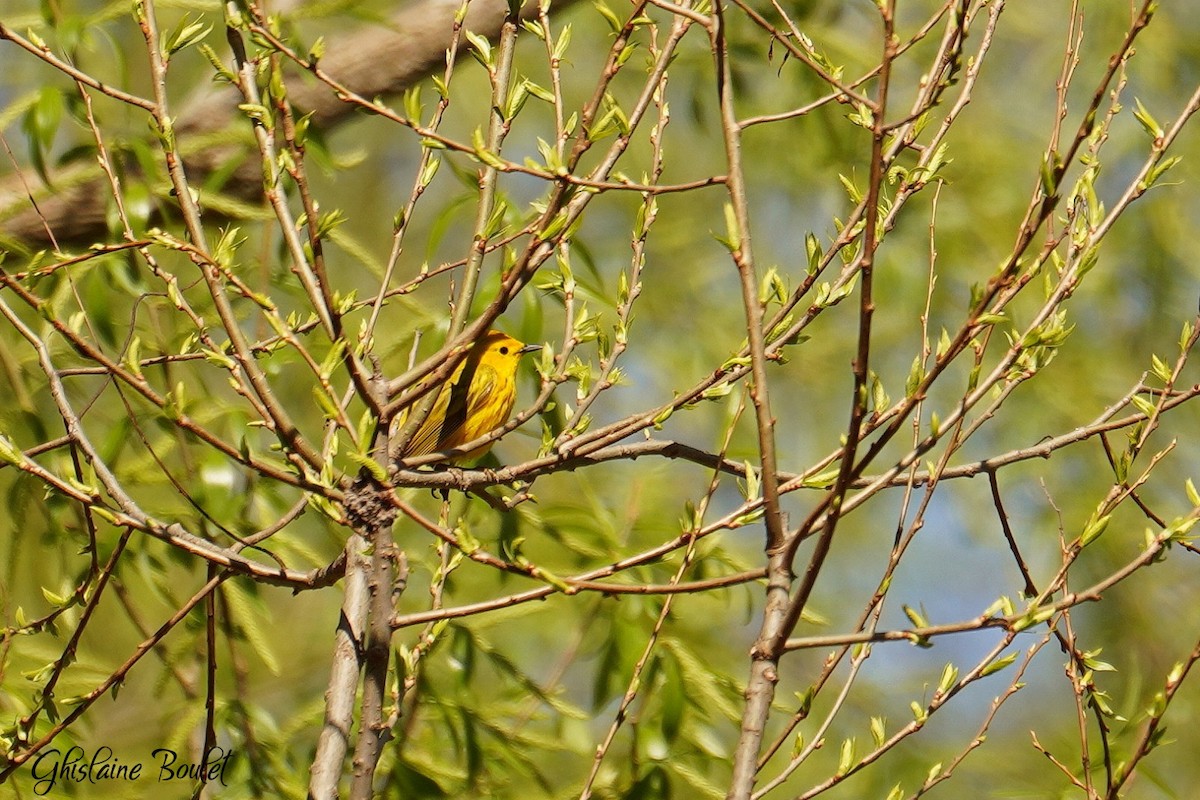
<point>504,350</point>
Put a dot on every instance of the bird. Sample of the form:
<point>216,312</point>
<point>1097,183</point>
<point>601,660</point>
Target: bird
<point>477,399</point>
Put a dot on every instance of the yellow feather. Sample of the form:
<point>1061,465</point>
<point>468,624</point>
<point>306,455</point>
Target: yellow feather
<point>477,399</point>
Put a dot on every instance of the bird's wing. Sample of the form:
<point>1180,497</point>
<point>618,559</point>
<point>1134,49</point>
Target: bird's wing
<point>446,426</point>
<point>470,396</point>
<point>426,437</point>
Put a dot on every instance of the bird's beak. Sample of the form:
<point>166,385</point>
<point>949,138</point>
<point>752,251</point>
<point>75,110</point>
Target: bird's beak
<point>529,348</point>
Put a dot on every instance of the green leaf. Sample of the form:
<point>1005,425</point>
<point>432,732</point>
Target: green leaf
<point>483,153</point>
<point>798,744</point>
<point>538,91</point>
<point>673,697</point>
<point>370,465</point>
<point>9,452</point>
<point>481,48</point>
<point>40,124</point>
<point>846,756</point>
<point>1143,405</point>
<point>561,44</point>
<point>412,104</point>
<point>772,287</point>
<point>133,356</point>
<point>812,248</point>
<point>916,374</point>
<point>1157,171</point>
<point>613,22</point>
<point>186,34</point>
<point>751,488</point>
<point>853,191</point>
<point>879,397</point>
<point>733,235</point>
<point>822,480</point>
<point>317,50</point>
<point>1034,616</point>
<point>1160,369</point>
<point>1093,529</point>
<point>251,616</point>
<point>915,617</point>
<point>1149,124</point>
<point>998,665</point>
<point>949,678</point>
<point>878,732</point>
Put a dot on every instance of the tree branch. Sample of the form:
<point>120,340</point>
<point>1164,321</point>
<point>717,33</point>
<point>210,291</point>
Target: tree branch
<point>371,62</point>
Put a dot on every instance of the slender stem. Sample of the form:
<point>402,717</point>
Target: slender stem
<point>760,688</point>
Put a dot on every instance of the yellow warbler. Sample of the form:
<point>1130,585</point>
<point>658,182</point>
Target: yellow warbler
<point>476,400</point>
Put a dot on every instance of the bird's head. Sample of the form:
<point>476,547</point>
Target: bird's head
<point>501,348</point>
